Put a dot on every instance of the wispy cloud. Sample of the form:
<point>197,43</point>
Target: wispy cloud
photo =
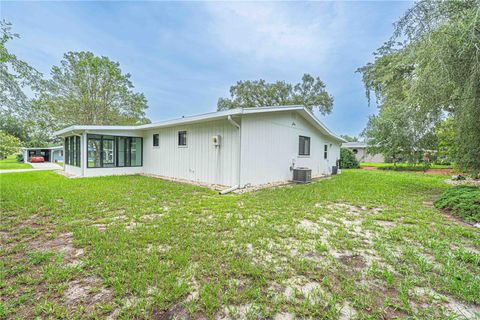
<point>274,32</point>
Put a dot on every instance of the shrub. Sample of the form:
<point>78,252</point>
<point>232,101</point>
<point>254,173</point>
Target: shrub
<point>422,167</point>
<point>348,160</point>
<point>463,201</point>
<point>20,157</point>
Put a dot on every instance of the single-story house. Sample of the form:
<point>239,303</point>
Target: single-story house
<point>50,154</point>
<point>234,148</point>
<point>360,151</point>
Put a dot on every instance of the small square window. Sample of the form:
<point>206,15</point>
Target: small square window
<point>182,138</point>
<point>303,146</point>
<point>156,140</point>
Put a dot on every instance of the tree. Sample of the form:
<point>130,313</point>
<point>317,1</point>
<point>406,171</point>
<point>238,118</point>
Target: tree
<point>87,89</point>
<point>348,138</point>
<point>396,135</point>
<point>8,144</point>
<point>12,125</point>
<point>429,69</point>
<point>16,76</point>
<point>446,134</point>
<point>310,93</point>
<point>348,160</point>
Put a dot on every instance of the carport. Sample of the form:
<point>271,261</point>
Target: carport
<point>50,154</point>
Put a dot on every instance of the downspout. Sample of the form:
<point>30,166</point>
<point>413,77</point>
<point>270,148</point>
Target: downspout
<point>236,125</point>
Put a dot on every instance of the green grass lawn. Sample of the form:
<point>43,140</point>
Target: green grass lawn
<point>381,164</point>
<point>11,163</point>
<point>363,244</point>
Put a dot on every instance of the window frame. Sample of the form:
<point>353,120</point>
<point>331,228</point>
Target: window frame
<point>156,140</point>
<point>72,146</point>
<point>126,154</point>
<point>325,151</point>
<point>185,132</point>
<point>302,152</point>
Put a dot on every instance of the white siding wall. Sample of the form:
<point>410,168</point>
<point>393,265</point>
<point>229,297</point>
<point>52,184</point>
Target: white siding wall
<point>270,145</point>
<point>97,172</point>
<point>77,171</point>
<point>363,156</point>
<point>200,160</point>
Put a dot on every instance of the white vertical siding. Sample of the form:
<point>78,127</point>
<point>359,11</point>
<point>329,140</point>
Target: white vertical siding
<point>200,160</point>
<point>270,144</point>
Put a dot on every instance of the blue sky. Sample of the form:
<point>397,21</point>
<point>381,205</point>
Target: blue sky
<point>185,55</point>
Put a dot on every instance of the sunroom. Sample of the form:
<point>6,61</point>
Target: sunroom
<point>95,152</point>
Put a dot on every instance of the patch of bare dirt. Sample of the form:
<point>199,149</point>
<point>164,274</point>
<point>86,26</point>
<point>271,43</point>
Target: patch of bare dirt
<point>429,297</point>
<point>62,243</point>
<point>177,312</point>
<point>353,261</point>
<point>87,291</point>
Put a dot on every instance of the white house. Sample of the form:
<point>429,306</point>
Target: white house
<point>234,148</point>
<point>50,154</point>
<point>360,151</point>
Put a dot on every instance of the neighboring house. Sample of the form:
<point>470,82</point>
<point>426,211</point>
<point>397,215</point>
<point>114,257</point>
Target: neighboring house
<point>235,148</point>
<point>50,154</point>
<point>360,151</point>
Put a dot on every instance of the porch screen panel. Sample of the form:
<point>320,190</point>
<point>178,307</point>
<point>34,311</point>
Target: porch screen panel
<point>136,152</point>
<point>66,146</point>
<point>77,151</point>
<point>72,151</point>
<point>121,151</point>
<point>94,151</point>
<point>108,151</point>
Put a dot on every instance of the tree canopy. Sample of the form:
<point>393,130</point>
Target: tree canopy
<point>428,70</point>
<point>311,93</point>
<point>8,144</point>
<point>15,76</point>
<point>87,89</point>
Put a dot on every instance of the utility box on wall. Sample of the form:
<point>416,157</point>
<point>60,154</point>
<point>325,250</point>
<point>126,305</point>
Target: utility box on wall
<point>216,140</point>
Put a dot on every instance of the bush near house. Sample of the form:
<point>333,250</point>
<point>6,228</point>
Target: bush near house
<point>463,201</point>
<point>348,160</point>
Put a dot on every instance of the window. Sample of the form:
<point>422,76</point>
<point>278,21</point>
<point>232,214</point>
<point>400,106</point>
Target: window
<point>182,138</point>
<point>325,152</point>
<point>72,151</point>
<point>355,151</point>
<point>303,146</point>
<point>156,140</point>
<point>110,151</point>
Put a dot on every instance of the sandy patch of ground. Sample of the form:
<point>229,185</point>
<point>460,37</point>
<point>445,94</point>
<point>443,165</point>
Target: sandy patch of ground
<point>303,287</point>
<point>454,307</point>
<point>62,243</point>
<point>87,291</point>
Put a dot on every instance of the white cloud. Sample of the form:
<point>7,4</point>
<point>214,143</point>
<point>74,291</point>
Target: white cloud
<point>276,32</point>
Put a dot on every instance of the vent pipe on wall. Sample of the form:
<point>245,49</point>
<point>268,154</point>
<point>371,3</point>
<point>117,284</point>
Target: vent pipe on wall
<point>236,125</point>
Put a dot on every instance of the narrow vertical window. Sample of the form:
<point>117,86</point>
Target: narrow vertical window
<point>182,138</point>
<point>156,140</point>
<point>325,152</point>
<point>303,146</point>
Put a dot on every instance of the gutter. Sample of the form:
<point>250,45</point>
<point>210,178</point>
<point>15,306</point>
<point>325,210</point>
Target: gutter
<point>236,125</point>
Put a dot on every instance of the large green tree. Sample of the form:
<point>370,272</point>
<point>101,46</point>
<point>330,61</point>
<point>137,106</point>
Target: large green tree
<point>88,89</point>
<point>428,70</point>
<point>8,144</point>
<point>310,92</point>
<point>16,77</point>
